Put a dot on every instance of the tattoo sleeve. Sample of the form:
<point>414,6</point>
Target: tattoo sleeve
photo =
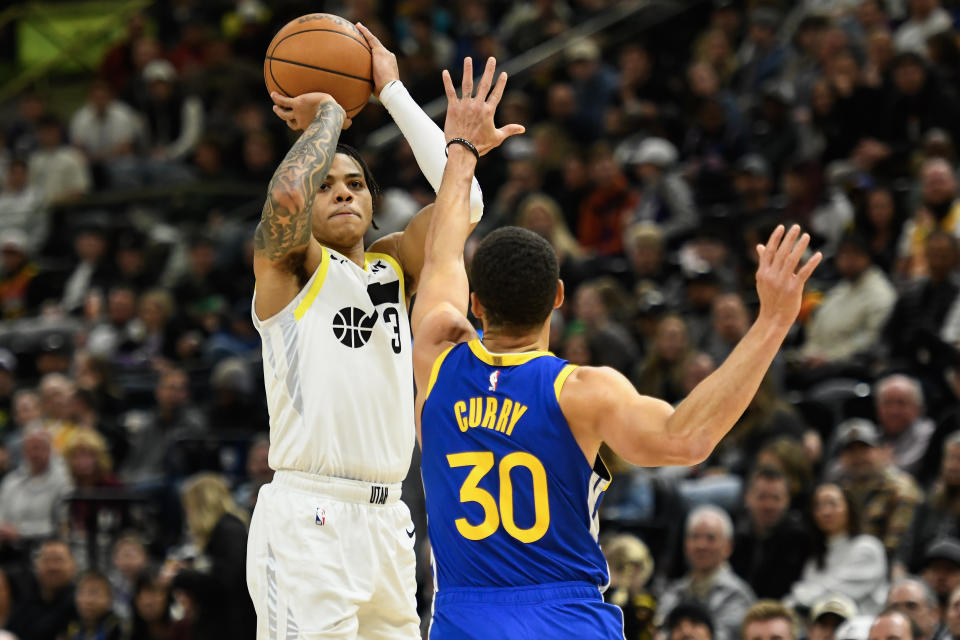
<point>285,222</point>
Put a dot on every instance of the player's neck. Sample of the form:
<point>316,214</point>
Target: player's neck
<point>354,254</point>
<point>496,341</point>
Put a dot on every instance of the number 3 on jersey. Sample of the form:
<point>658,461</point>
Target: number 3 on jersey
<point>482,462</point>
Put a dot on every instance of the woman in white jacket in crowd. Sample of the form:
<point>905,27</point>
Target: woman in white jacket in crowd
<point>844,560</point>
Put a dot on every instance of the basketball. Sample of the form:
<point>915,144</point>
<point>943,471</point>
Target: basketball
<point>321,52</point>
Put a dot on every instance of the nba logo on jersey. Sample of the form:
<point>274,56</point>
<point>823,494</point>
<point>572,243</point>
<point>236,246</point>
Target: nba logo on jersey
<point>321,516</point>
<point>494,379</point>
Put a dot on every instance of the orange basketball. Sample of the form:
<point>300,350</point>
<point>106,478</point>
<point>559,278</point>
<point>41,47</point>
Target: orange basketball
<point>321,52</point>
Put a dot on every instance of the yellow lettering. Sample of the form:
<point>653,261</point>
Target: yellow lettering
<point>518,411</point>
<point>459,409</point>
<point>476,411</point>
<point>504,415</point>
<point>490,415</point>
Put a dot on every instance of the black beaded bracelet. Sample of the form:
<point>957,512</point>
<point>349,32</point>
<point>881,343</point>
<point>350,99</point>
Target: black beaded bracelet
<point>464,142</point>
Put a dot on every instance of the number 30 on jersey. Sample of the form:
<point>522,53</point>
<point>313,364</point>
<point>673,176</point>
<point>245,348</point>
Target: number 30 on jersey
<point>497,513</point>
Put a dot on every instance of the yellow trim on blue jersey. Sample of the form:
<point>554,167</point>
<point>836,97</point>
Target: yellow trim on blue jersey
<point>435,371</point>
<point>561,378</point>
<point>503,359</point>
<point>308,299</point>
<point>393,263</point>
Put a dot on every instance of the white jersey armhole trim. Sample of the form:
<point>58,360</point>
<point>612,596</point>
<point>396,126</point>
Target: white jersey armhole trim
<point>304,298</point>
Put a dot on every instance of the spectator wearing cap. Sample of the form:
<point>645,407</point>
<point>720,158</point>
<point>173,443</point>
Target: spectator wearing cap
<point>23,206</point>
<point>769,620</point>
<point>109,132</point>
<point>916,600</point>
<point>904,426</point>
<point>17,297</point>
<point>594,85</point>
<point>92,271</point>
<point>707,546</point>
<point>827,614</point>
<point>771,542</point>
<point>31,495</point>
<point>665,197</point>
<point>927,17</point>
<point>631,567</point>
<point>893,625</point>
<point>848,323</point>
<point>845,561</point>
<point>174,121</point>
<point>689,620</point>
<point>941,568</point>
<point>884,497</point>
<point>58,170</point>
<point>762,55</point>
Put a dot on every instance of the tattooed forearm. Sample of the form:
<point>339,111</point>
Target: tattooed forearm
<point>285,222</point>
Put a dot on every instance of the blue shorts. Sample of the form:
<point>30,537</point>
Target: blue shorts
<point>562,610</point>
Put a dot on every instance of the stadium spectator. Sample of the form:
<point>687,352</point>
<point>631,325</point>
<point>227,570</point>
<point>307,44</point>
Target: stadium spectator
<point>219,529</point>
<point>937,516</point>
<point>47,605</point>
<point>849,320</point>
<point>689,620</point>
<point>30,496</point>
<point>941,568</point>
<point>884,497</point>
<point>893,625</point>
<point>952,613</point>
<point>110,133</point>
<point>17,291</point>
<point>771,542</point>
<point>827,614</point>
<point>23,206</point>
<point>769,620</point>
<point>844,561</point>
<point>660,373</point>
<point>707,546</point>
<point>259,473</point>
<point>59,171</point>
<point>152,603</point>
<point>94,606</point>
<point>129,559</point>
<point>631,567</point>
<point>900,415</point>
<point>609,342</point>
<point>916,600</point>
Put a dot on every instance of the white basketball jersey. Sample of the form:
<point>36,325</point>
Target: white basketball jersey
<point>339,374</point>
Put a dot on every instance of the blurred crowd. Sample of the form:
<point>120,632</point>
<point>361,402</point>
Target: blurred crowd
<point>659,152</point>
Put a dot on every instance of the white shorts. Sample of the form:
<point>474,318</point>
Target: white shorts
<point>332,558</point>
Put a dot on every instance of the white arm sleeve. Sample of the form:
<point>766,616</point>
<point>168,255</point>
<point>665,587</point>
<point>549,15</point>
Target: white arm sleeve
<point>426,139</point>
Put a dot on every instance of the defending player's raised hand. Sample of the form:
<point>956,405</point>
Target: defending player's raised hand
<point>779,283</point>
<point>300,111</point>
<point>471,116</point>
<point>385,69</point>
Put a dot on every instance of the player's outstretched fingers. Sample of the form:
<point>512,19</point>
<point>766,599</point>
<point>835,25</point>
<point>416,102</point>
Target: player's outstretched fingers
<point>466,84</point>
<point>796,253</point>
<point>808,268</point>
<point>770,249</point>
<point>498,88</point>
<point>448,86</point>
<point>486,80</point>
<point>784,249</point>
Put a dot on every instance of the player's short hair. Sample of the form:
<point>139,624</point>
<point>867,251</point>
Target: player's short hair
<point>515,274</point>
<point>372,185</point>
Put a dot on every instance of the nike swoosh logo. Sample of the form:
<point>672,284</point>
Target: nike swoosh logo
<point>410,533</point>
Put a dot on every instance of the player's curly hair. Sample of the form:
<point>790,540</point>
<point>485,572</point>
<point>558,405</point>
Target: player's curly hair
<point>514,274</point>
<point>372,185</point>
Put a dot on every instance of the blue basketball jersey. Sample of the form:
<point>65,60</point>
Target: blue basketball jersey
<point>511,499</point>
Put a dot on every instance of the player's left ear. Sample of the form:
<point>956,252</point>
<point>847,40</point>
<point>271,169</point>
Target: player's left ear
<point>558,301</point>
<point>475,307</point>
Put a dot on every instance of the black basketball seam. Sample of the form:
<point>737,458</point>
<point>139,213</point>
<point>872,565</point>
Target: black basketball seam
<point>310,66</point>
<point>272,77</point>
<point>357,40</point>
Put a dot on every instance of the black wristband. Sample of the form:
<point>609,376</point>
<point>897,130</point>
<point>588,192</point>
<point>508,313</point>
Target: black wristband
<point>464,142</point>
